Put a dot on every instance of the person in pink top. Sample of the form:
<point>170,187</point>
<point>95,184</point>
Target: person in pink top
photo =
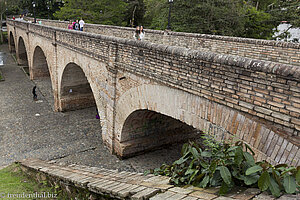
<point>70,25</point>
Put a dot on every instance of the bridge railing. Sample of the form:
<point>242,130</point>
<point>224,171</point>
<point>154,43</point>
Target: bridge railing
<point>282,52</point>
<point>266,90</point>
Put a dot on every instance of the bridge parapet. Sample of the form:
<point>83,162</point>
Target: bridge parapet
<point>269,50</point>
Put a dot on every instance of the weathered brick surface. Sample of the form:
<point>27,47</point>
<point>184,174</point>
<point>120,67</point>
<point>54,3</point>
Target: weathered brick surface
<point>282,52</point>
<point>226,95</point>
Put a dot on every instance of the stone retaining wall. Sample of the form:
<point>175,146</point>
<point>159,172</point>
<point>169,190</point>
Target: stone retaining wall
<point>100,183</point>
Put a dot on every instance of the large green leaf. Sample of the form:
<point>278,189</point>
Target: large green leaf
<point>249,158</point>
<point>232,148</point>
<point>253,169</point>
<point>192,177</point>
<point>195,153</point>
<point>298,175</point>
<point>224,188</point>
<point>264,181</point>
<point>289,184</point>
<point>225,174</point>
<point>249,180</point>
<point>274,188</point>
<point>181,160</point>
<point>216,180</point>
<point>204,182</point>
<point>189,171</point>
<point>238,158</point>
<point>206,154</point>
<point>184,148</point>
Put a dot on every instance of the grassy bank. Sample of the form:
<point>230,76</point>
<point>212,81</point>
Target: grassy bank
<point>14,182</point>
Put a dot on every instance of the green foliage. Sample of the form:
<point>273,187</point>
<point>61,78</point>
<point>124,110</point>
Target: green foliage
<point>283,10</point>
<point>256,24</point>
<point>110,12</point>
<point>213,163</point>
<point>156,14</point>
<point>14,181</point>
<point>134,14</point>
<point>240,18</point>
<point>18,7</point>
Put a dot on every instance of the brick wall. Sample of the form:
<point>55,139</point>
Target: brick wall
<point>282,52</point>
<point>267,91</point>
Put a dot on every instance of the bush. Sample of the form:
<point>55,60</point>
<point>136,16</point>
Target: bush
<point>227,165</point>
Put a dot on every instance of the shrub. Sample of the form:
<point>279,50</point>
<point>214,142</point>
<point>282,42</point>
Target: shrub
<point>227,165</point>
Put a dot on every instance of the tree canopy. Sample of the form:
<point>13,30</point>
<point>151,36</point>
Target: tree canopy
<point>242,18</point>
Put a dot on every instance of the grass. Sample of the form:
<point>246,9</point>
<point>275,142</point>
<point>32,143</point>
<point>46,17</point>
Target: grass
<point>13,181</point>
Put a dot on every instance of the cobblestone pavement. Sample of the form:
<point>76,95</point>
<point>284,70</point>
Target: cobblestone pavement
<point>33,129</point>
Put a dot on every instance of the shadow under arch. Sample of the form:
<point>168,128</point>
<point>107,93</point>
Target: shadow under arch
<point>41,73</point>
<point>75,90</point>
<point>22,53</point>
<point>40,66</point>
<point>225,123</point>
<point>12,46</point>
<point>146,130</point>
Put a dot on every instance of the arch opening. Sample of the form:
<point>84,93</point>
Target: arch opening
<point>40,73</point>
<point>12,43</point>
<point>75,91</point>
<point>146,130</point>
<point>40,66</point>
<point>22,53</point>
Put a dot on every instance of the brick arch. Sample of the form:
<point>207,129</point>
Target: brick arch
<point>22,52</point>
<point>75,60</point>
<point>11,42</point>
<point>204,115</point>
<point>40,66</point>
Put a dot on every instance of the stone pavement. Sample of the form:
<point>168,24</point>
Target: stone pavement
<point>32,129</point>
<point>129,185</point>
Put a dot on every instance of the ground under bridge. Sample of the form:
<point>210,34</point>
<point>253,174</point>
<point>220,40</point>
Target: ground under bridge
<point>150,94</point>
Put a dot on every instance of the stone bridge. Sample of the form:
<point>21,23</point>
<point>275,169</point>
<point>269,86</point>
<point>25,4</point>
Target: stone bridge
<point>172,86</point>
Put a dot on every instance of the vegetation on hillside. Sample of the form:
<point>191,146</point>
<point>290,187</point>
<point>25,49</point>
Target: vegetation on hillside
<point>242,18</point>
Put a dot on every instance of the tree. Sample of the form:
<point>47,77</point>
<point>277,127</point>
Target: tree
<point>135,11</point>
<point>2,11</point>
<point>257,24</point>
<point>109,12</point>
<point>285,10</point>
<point>156,14</point>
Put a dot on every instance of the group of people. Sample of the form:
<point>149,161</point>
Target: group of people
<point>76,25</point>
<point>139,33</point>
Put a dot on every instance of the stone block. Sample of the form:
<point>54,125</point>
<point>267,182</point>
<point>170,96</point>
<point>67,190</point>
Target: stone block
<point>145,194</point>
<point>203,195</point>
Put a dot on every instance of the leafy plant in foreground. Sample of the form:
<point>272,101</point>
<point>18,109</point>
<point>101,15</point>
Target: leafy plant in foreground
<point>227,165</point>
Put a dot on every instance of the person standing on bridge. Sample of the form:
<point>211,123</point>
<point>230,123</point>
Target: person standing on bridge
<point>81,23</point>
<point>70,25</point>
<point>137,32</point>
<point>142,33</point>
<point>76,26</point>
